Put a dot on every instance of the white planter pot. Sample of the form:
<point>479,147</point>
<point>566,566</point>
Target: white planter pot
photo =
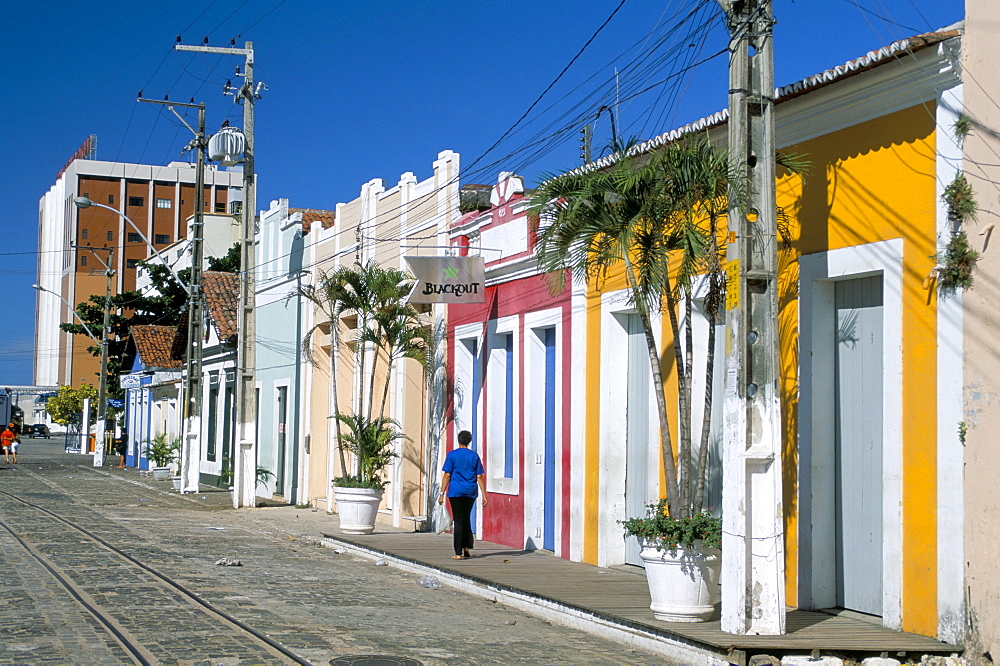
<point>161,473</point>
<point>683,585</point>
<point>177,482</point>
<point>357,508</point>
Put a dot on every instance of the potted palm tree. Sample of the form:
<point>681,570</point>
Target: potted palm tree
<point>657,222</point>
<point>161,451</point>
<point>391,330</point>
<point>371,443</point>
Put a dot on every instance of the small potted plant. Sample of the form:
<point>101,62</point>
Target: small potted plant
<point>359,494</point>
<point>161,452</point>
<point>682,557</point>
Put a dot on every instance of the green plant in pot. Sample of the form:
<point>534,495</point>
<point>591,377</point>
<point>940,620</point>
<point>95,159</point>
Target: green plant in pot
<point>370,441</point>
<point>659,530</point>
<point>358,495</point>
<point>161,451</point>
<point>682,558</point>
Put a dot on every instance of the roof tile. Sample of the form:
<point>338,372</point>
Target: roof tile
<point>154,345</point>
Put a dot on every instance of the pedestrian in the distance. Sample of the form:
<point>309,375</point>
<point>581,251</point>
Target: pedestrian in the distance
<point>7,438</point>
<point>121,448</point>
<point>463,479</point>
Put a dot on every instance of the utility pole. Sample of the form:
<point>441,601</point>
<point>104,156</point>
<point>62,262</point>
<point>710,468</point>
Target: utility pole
<point>191,443</point>
<point>102,386</point>
<point>753,553</point>
<point>245,455</point>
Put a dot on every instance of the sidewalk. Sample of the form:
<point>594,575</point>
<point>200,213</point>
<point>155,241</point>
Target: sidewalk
<point>612,603</point>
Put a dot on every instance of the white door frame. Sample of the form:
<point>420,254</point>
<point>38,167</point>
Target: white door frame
<point>817,465</point>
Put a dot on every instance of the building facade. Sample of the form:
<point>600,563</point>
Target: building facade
<point>281,369</point>
<point>382,225</point>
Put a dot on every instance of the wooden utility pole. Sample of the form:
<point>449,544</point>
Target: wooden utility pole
<point>753,554</point>
<point>245,454</point>
<point>191,442</point>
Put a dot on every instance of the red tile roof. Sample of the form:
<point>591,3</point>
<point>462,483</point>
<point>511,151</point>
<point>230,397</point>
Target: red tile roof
<point>154,345</point>
<point>222,293</point>
<point>326,218</point>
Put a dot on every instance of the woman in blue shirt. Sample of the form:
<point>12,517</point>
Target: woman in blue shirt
<point>461,482</point>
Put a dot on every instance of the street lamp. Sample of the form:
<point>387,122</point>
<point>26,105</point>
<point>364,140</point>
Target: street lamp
<point>102,400</point>
<point>71,309</point>
<point>84,202</point>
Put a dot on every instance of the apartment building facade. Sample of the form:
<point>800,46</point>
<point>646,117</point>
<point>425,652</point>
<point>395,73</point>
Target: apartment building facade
<point>74,244</point>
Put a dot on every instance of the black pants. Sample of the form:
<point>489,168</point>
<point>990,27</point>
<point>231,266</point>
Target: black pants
<point>461,514</point>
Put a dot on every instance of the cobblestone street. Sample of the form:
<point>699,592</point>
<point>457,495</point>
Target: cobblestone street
<point>318,604</point>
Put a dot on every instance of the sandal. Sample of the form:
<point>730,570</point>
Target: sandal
<point>458,557</point>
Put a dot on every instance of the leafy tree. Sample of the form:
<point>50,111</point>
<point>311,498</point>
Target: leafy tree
<point>162,305</point>
<point>67,404</point>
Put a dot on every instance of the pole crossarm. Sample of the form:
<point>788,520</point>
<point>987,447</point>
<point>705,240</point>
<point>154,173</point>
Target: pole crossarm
<point>223,50</point>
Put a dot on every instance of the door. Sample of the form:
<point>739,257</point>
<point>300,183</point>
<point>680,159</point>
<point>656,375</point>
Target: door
<point>858,442</point>
<point>279,475</point>
<point>637,486</point>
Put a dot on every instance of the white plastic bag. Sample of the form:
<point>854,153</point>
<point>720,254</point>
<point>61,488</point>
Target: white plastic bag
<point>442,519</point>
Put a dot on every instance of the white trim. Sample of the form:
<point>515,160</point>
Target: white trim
<point>911,79</point>
<point>817,558</point>
<point>613,428</point>
<point>950,367</point>
<point>534,432</point>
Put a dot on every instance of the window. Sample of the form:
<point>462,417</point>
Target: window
<point>111,200</point>
<point>131,263</point>
<point>235,207</point>
<point>136,201</point>
<point>161,239</point>
<point>164,203</point>
<point>213,411</point>
<point>83,260</point>
<point>111,235</point>
<point>220,208</point>
<point>83,234</point>
<point>134,237</point>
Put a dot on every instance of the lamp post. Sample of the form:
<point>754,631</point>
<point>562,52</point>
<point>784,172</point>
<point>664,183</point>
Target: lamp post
<point>102,399</point>
<point>84,202</point>
<point>82,322</point>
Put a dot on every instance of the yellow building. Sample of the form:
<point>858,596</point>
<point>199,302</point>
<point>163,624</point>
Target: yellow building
<point>871,350</point>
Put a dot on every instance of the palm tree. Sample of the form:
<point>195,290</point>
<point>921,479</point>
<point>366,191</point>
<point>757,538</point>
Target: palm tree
<point>329,294</point>
<point>655,220</point>
<point>376,296</point>
<point>398,333</point>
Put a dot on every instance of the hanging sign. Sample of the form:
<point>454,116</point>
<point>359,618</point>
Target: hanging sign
<point>447,280</point>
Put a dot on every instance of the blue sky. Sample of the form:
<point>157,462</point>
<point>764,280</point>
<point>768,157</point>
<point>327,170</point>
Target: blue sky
<point>363,90</point>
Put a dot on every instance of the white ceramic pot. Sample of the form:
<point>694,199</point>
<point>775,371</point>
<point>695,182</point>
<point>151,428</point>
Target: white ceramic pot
<point>683,584</point>
<point>357,508</point>
<point>177,482</point>
<point>161,473</point>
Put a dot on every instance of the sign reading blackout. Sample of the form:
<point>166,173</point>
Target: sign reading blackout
<point>447,280</point>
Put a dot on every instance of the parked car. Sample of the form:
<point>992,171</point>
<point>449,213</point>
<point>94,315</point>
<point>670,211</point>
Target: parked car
<point>37,430</point>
